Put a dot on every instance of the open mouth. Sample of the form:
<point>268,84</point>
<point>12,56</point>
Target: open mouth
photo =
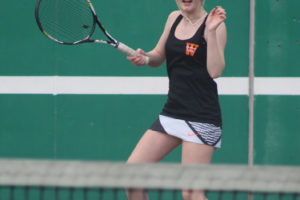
<point>187,2</point>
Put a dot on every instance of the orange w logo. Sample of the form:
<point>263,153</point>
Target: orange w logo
<point>191,48</point>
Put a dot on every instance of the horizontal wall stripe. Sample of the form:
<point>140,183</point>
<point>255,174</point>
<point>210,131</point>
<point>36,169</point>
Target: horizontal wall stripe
<point>277,86</point>
<point>137,85</point>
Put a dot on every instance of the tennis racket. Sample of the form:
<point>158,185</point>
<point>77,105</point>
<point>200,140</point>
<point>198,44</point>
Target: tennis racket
<point>73,22</point>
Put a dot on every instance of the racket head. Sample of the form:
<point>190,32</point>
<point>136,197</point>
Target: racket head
<point>65,21</point>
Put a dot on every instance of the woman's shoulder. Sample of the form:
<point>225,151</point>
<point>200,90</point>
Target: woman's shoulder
<point>174,14</point>
<point>172,17</point>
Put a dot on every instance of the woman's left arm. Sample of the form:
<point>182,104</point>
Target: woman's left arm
<point>216,37</point>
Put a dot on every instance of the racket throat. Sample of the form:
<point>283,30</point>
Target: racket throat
<point>104,42</point>
<point>117,45</point>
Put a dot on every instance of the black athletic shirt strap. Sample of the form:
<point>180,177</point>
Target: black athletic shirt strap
<point>178,19</point>
<point>203,25</point>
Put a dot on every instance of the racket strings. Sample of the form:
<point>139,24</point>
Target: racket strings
<point>67,21</point>
<point>64,33</point>
<point>70,24</point>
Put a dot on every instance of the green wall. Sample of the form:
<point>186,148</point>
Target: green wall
<point>277,50</point>
<point>25,51</point>
<point>106,127</point>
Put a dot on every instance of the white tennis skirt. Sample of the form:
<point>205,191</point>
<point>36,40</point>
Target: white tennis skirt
<point>201,133</point>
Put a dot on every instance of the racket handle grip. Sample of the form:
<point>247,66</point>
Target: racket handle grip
<point>129,51</point>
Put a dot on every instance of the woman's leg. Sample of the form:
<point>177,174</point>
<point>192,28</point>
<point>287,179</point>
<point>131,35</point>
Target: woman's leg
<point>152,147</point>
<point>193,153</point>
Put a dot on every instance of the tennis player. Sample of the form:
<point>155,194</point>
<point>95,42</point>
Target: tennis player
<point>193,44</point>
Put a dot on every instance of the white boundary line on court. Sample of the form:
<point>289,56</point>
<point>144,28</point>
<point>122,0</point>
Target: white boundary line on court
<point>138,85</point>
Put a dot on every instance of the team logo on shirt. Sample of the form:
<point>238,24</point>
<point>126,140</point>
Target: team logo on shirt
<point>191,49</point>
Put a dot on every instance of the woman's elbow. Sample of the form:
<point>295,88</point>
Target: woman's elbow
<point>215,75</point>
<point>217,72</point>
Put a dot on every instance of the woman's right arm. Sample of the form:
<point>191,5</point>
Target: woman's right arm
<point>157,56</point>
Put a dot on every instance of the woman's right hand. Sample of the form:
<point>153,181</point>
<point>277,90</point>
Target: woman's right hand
<point>139,59</point>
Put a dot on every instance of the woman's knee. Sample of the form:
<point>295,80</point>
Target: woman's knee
<point>193,195</point>
<point>186,194</point>
<point>136,194</point>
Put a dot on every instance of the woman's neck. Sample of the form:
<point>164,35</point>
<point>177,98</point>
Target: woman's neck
<point>194,17</point>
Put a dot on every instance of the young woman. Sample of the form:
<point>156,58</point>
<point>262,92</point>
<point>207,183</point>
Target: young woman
<point>193,44</point>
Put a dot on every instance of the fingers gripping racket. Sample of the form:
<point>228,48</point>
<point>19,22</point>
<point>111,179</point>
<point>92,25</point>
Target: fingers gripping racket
<point>73,22</point>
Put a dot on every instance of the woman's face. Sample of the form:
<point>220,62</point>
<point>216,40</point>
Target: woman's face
<point>188,5</point>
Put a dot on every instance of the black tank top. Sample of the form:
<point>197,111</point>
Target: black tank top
<point>193,94</point>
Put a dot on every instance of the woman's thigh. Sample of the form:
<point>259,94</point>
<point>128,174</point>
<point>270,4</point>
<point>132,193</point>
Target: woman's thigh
<point>152,147</point>
<point>193,153</point>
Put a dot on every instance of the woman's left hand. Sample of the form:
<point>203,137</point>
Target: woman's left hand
<point>215,18</point>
